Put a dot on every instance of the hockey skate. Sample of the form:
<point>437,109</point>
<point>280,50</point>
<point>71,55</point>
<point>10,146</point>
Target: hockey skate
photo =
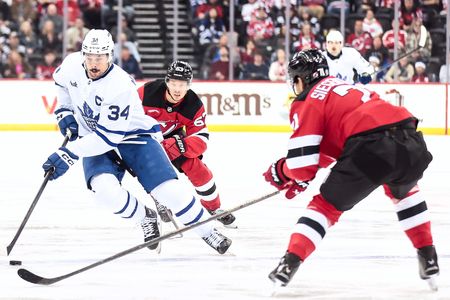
<point>150,226</point>
<point>163,212</point>
<point>218,241</point>
<point>285,270</point>
<point>227,220</point>
<point>428,265</point>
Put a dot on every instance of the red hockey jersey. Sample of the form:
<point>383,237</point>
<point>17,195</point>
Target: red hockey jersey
<point>188,115</point>
<point>326,115</point>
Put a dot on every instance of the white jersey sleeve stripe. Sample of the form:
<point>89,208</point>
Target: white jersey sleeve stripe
<point>303,161</point>
<point>303,151</point>
<point>303,141</point>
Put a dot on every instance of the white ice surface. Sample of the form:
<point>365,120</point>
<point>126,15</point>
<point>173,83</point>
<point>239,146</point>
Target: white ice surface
<point>365,256</point>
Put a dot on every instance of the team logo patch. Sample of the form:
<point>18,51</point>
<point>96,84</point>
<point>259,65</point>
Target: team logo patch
<point>88,115</point>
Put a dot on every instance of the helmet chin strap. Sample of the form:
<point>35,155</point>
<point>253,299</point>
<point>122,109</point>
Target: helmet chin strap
<point>294,83</point>
<point>168,91</point>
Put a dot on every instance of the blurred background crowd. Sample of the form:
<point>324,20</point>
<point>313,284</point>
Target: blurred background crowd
<point>252,47</point>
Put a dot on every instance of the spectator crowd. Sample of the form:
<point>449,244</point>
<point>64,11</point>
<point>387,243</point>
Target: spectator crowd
<point>31,35</point>
<point>258,49</point>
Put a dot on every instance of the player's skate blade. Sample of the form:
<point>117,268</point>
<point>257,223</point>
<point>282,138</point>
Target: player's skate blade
<point>432,283</point>
<point>277,286</point>
<point>428,265</point>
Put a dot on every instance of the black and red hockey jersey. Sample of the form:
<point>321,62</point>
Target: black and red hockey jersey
<point>188,115</point>
<point>325,115</point>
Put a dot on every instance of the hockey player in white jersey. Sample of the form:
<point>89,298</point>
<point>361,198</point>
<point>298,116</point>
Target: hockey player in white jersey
<point>98,102</point>
<point>345,61</point>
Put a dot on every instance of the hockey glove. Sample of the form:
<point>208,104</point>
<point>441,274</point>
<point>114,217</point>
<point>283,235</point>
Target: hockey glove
<point>174,146</point>
<point>365,78</point>
<point>59,162</point>
<point>276,177</point>
<point>295,188</point>
<point>67,122</point>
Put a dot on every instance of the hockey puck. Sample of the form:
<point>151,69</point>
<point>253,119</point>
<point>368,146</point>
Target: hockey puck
<point>15,262</point>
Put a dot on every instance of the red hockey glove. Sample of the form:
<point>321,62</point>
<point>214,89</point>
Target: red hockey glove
<point>174,146</point>
<point>276,177</point>
<point>295,188</point>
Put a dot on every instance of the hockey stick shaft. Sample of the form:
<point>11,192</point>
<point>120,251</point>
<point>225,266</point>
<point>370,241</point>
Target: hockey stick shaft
<point>384,68</point>
<point>33,278</point>
<point>168,212</point>
<point>421,43</point>
<point>172,219</point>
<point>33,204</point>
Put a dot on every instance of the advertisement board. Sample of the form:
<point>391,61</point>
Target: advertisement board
<point>230,106</point>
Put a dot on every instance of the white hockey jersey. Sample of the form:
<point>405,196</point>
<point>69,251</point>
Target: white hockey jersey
<point>342,67</point>
<point>108,109</point>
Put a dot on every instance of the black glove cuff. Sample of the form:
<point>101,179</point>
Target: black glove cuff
<point>279,169</point>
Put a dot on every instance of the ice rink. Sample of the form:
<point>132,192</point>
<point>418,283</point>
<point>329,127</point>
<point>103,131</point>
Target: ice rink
<point>365,256</point>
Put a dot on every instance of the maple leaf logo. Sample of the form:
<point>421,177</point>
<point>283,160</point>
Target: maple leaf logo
<point>88,115</point>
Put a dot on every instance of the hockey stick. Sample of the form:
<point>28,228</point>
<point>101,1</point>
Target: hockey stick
<point>36,199</point>
<point>421,44</point>
<point>36,279</point>
<point>175,225</point>
<point>168,214</point>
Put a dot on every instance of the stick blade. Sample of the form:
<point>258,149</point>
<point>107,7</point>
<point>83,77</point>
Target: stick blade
<point>423,36</point>
<point>33,278</point>
<point>9,248</point>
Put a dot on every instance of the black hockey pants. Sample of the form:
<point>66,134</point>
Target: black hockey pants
<point>397,157</point>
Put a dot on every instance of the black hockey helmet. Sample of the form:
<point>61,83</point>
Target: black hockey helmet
<point>308,65</point>
<point>179,70</point>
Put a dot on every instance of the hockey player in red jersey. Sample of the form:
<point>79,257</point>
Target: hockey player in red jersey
<point>183,122</point>
<point>374,143</point>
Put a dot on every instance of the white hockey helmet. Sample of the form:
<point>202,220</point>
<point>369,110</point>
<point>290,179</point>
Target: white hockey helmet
<point>335,36</point>
<point>98,41</point>
<point>335,42</point>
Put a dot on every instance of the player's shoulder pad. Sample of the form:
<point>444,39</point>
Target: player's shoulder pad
<point>190,105</point>
<point>350,51</point>
<point>154,92</point>
<point>68,67</point>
